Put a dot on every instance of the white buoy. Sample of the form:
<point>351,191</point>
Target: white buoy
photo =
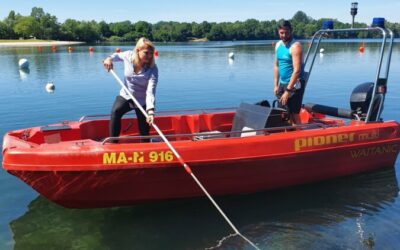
<point>50,87</point>
<point>231,55</point>
<point>321,50</point>
<point>23,63</point>
<point>231,61</point>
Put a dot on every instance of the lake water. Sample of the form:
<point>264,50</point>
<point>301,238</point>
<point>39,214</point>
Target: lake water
<point>356,212</point>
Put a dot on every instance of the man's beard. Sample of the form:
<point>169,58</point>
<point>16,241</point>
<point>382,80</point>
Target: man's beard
<point>287,39</point>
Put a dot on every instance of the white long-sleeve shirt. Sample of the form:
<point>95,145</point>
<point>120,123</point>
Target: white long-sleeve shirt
<point>142,85</point>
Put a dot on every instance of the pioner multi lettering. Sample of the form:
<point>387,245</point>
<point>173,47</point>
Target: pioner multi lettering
<point>322,140</point>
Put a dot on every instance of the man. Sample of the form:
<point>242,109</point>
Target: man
<point>288,72</point>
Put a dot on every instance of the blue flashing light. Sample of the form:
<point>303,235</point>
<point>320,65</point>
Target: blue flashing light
<point>378,22</point>
<point>327,25</point>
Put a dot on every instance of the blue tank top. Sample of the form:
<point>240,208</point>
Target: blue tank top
<point>285,62</point>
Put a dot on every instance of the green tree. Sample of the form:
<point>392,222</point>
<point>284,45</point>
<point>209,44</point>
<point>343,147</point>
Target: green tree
<point>143,29</point>
<point>395,27</point>
<point>27,26</point>
<point>161,32</point>
<point>182,32</point>
<point>249,29</point>
<point>216,33</point>
<point>229,31</point>
<point>5,31</point>
<point>131,36</point>
<point>309,30</point>
<point>70,30</point>
<point>43,25</point>
<point>200,30</point>
<point>50,27</point>
<point>301,17</point>
<point>298,29</point>
<point>205,27</point>
<point>174,35</point>
<point>116,39</point>
<point>121,28</point>
<point>197,31</point>
<point>105,30</point>
<point>10,21</point>
<point>37,13</point>
<point>88,31</point>
<point>261,31</point>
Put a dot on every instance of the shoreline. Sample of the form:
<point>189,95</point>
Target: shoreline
<point>196,40</point>
<point>34,44</point>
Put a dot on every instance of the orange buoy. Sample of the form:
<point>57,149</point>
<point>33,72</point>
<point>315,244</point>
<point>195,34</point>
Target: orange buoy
<point>54,48</point>
<point>156,53</point>
<point>91,49</point>
<point>69,49</point>
<point>117,50</point>
<point>361,49</point>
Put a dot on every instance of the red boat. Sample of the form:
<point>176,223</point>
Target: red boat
<point>231,151</point>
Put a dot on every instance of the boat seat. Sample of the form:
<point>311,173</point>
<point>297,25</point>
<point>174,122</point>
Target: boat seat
<point>216,122</point>
<point>249,117</point>
<point>188,124</point>
<point>192,122</point>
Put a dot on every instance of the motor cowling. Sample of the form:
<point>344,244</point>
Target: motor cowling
<point>361,98</point>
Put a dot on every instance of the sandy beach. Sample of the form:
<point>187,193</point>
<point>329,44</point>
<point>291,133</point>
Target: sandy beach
<point>41,43</point>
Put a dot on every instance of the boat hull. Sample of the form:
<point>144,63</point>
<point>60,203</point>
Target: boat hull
<point>88,176</point>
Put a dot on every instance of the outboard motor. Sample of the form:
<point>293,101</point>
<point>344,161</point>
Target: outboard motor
<point>361,98</point>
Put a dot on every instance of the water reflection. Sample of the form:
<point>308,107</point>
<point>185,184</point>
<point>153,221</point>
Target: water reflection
<point>23,73</point>
<point>331,215</point>
<point>321,58</point>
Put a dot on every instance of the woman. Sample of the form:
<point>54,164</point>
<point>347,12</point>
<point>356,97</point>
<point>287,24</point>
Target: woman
<point>141,76</point>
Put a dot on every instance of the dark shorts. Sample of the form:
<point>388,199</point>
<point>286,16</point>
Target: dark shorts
<point>293,105</point>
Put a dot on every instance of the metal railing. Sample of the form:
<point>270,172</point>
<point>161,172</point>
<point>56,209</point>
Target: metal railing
<point>164,113</point>
<point>220,135</point>
<point>316,39</point>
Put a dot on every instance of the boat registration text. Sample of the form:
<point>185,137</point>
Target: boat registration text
<point>137,157</point>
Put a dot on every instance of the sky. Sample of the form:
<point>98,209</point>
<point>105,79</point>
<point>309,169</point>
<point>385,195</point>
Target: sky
<point>203,10</point>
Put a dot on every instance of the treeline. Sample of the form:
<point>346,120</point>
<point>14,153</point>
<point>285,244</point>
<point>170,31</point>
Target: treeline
<point>42,25</point>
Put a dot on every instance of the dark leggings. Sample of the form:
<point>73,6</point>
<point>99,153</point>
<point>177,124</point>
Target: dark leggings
<point>122,106</point>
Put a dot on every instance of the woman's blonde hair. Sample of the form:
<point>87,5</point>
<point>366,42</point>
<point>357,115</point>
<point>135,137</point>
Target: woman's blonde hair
<point>143,43</point>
